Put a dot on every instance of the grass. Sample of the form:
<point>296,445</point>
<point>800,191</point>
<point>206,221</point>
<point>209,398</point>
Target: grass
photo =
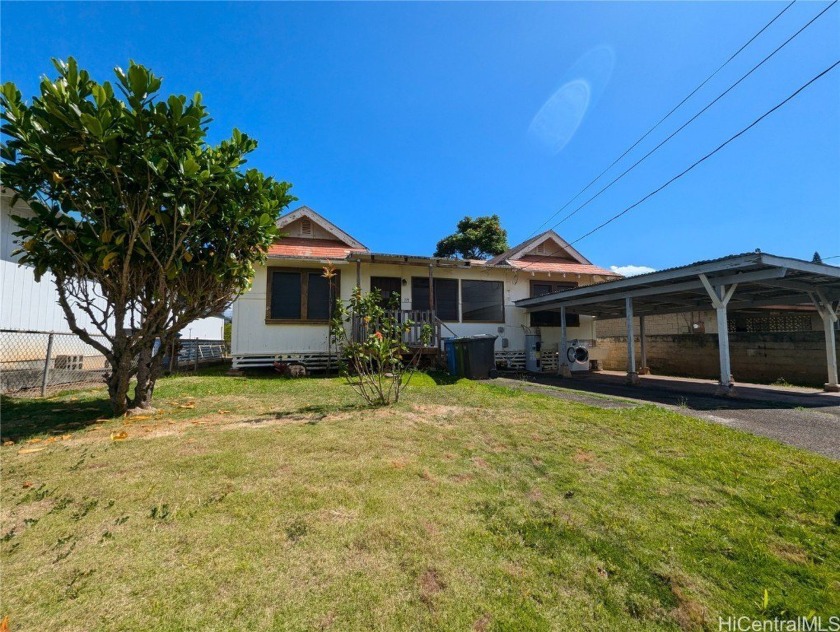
<point>269,503</point>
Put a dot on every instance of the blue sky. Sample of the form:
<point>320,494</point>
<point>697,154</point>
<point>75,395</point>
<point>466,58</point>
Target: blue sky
<point>395,120</point>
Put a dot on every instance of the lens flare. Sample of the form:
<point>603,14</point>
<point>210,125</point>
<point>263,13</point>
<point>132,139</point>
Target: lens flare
<point>556,122</point>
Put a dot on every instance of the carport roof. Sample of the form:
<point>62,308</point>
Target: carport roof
<point>762,280</point>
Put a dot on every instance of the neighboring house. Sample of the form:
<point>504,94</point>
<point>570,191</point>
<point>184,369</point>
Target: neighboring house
<point>284,315</point>
<point>29,305</point>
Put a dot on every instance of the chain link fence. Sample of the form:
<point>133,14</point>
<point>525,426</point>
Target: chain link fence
<point>36,362</point>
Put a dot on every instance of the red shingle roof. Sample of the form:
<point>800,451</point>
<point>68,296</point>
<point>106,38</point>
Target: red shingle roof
<point>560,266</point>
<point>301,247</point>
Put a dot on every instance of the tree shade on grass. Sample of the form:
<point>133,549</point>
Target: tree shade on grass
<point>267,503</point>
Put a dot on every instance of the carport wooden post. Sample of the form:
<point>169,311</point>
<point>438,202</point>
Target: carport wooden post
<point>632,375</point>
<point>563,352</point>
<point>720,299</point>
<point>643,368</point>
<point>828,315</point>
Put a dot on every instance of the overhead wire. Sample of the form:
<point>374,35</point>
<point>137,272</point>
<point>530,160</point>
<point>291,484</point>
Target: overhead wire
<point>710,154</point>
<point>696,116</point>
<point>664,118</point>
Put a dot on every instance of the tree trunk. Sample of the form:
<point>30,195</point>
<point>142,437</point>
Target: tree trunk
<point>118,383</point>
<point>149,368</point>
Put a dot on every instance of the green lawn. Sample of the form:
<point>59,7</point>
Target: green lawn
<point>265,503</point>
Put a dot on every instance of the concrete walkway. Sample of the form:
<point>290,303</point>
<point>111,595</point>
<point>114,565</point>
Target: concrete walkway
<point>803,417</point>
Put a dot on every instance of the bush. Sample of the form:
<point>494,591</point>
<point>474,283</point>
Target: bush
<point>369,338</point>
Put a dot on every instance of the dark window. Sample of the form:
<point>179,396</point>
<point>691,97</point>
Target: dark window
<point>387,286</point>
<point>285,295</point>
<point>318,297</point>
<point>446,297</point>
<point>483,301</point>
<point>550,318</point>
<point>302,295</point>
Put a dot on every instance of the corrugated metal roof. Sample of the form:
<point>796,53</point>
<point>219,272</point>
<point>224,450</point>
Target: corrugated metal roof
<point>760,279</point>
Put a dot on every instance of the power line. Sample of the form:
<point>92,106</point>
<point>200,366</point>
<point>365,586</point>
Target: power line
<point>710,154</point>
<point>664,118</point>
<point>693,118</point>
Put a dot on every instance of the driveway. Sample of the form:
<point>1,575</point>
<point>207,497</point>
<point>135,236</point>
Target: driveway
<point>801,417</point>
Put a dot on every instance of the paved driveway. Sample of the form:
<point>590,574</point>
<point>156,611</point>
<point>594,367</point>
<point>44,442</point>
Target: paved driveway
<point>805,418</point>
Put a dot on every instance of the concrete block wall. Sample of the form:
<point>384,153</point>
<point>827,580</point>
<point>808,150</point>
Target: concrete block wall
<point>795,357</point>
<point>660,324</point>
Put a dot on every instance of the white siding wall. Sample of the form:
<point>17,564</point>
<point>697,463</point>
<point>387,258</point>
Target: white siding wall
<point>252,336</point>
<point>210,328</point>
<point>26,304</point>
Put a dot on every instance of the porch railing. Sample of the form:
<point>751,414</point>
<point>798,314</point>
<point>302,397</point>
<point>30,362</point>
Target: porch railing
<point>413,337</point>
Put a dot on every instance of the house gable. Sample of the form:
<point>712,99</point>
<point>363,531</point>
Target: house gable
<point>547,246</point>
<point>305,224</point>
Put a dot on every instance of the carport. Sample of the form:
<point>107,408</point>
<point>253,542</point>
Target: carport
<point>730,283</point>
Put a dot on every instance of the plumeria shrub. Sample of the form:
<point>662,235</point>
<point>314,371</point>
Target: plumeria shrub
<point>370,338</point>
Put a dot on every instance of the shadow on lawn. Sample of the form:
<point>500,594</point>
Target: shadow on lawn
<point>442,378</point>
<point>25,418</point>
<point>312,415</point>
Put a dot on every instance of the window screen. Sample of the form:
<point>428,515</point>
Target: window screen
<point>387,286</point>
<point>446,297</point>
<point>482,301</point>
<point>551,318</point>
<point>318,297</point>
<point>285,295</point>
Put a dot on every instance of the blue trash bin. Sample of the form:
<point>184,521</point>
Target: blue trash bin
<point>449,347</point>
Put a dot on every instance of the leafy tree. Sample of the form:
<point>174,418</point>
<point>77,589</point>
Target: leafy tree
<point>476,238</point>
<point>143,225</point>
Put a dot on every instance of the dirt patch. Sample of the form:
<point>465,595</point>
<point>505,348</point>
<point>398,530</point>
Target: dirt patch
<point>430,585</point>
<point>338,516</point>
<point>430,528</point>
<point>16,519</point>
<point>689,613</point>
<point>479,462</point>
<point>535,495</point>
<point>482,624</point>
<point>790,552</point>
<point>583,457</point>
<point>439,410</point>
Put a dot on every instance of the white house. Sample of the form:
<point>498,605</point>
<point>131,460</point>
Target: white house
<point>285,313</point>
<point>29,305</point>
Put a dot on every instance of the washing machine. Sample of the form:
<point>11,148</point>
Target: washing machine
<point>577,355</point>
